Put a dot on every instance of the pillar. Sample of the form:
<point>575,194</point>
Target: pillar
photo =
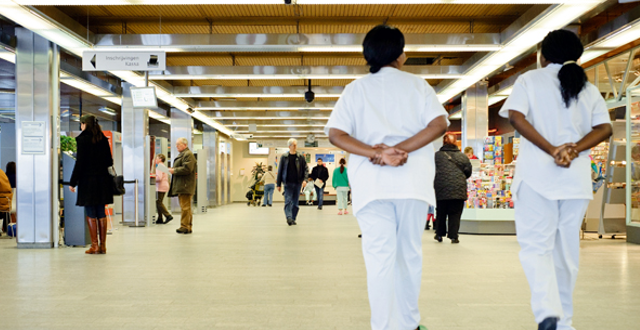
<point>475,117</point>
<point>37,137</point>
<point>209,143</point>
<point>135,158</point>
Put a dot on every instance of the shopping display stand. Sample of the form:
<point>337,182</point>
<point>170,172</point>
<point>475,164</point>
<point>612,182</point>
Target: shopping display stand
<point>612,211</point>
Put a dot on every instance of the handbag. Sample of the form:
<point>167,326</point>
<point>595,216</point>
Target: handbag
<point>117,182</point>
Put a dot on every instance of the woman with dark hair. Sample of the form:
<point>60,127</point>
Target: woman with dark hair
<point>453,169</point>
<point>341,184</point>
<point>387,121</point>
<point>91,176</point>
<point>561,116</point>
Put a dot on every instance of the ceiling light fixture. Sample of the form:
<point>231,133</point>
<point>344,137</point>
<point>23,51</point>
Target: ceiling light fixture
<point>108,111</point>
<point>555,18</point>
<point>280,2</point>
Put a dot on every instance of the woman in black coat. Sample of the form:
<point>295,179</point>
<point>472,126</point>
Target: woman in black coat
<point>91,176</point>
<point>453,169</point>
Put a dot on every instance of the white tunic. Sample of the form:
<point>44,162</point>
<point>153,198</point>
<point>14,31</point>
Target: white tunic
<point>388,107</point>
<point>536,94</point>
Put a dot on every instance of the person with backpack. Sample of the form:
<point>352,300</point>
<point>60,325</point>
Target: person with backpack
<point>561,117</point>
<point>453,169</point>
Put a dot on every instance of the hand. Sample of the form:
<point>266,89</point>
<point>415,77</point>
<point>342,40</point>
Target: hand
<point>318,179</point>
<point>279,189</point>
<point>171,170</point>
<point>377,159</point>
<point>394,157</point>
<point>565,154</point>
<point>304,184</point>
<point>72,189</point>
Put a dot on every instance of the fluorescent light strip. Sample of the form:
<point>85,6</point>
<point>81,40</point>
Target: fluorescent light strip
<point>280,2</point>
<point>285,137</point>
<point>159,117</point>
<point>282,76</point>
<point>270,118</point>
<point>558,18</point>
<point>408,48</point>
<point>262,96</point>
<point>275,125</point>
<point>617,39</point>
<point>281,131</point>
<point>262,109</point>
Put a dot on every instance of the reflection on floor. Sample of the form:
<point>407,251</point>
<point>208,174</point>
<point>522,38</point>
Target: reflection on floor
<point>244,268</point>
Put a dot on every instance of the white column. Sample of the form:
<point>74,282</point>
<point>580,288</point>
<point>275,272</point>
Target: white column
<point>37,137</point>
<point>475,117</point>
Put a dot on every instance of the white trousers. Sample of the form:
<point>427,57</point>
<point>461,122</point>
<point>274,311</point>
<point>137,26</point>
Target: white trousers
<point>309,195</point>
<point>342,197</point>
<point>549,237</point>
<point>392,248</point>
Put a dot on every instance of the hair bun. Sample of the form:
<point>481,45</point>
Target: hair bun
<point>375,68</point>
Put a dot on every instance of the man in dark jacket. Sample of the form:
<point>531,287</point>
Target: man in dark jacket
<point>321,173</point>
<point>183,183</point>
<point>293,172</point>
<point>453,169</point>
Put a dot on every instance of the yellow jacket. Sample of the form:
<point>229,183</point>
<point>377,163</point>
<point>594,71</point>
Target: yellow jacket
<point>6,194</point>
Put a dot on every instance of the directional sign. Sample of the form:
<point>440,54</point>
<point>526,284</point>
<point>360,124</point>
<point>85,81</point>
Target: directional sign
<point>124,61</point>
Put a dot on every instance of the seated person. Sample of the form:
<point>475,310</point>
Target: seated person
<point>310,192</point>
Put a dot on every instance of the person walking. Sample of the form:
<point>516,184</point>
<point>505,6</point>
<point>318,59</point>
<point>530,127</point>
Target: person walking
<point>453,168</point>
<point>293,172</point>
<point>269,180</point>
<point>183,184</point>
<point>91,176</point>
<point>341,184</point>
<point>162,186</point>
<point>320,172</point>
<point>561,117</point>
<point>390,118</point>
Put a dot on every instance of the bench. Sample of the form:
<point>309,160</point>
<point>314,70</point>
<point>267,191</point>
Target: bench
<point>329,199</point>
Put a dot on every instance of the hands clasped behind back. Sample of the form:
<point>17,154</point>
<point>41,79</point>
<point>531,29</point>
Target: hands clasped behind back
<point>389,156</point>
<point>565,154</point>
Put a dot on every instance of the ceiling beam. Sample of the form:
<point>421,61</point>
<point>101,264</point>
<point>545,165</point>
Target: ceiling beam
<point>264,117</point>
<point>294,72</point>
<point>266,105</point>
<point>254,92</point>
<point>343,42</point>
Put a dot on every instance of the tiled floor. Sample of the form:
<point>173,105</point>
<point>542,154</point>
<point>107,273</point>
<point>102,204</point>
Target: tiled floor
<point>244,268</point>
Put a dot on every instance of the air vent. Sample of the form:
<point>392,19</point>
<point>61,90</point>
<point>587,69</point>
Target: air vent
<point>420,61</point>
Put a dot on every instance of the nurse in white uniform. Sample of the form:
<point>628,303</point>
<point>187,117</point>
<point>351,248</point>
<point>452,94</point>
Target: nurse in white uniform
<point>387,121</point>
<point>561,116</point>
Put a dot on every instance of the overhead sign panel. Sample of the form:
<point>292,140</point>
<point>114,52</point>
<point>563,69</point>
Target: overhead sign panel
<point>124,60</point>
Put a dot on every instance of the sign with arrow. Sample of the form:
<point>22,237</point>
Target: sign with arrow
<point>93,60</point>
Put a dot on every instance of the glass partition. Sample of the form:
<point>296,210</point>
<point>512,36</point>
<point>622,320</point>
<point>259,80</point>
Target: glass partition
<point>633,157</point>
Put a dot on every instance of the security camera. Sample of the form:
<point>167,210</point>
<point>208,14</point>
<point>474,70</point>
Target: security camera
<point>251,136</point>
<point>309,96</point>
<point>287,2</point>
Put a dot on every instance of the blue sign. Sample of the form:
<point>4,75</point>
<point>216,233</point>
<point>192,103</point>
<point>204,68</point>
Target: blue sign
<point>327,158</point>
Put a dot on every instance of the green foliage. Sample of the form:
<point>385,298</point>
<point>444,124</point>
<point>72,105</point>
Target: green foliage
<point>68,143</point>
<point>258,169</point>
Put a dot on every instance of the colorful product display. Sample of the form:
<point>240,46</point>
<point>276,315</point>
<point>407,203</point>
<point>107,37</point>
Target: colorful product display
<point>489,187</point>
<point>493,150</point>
